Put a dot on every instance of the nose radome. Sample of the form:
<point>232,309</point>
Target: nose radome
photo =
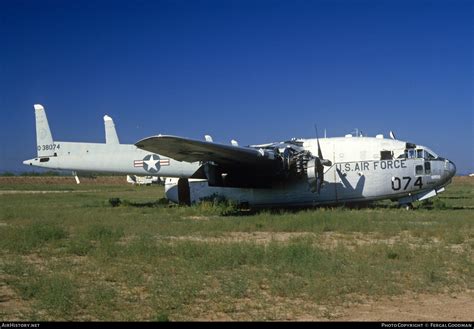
<point>452,168</point>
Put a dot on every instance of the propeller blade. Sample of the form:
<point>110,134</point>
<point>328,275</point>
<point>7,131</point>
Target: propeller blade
<point>320,170</point>
<point>320,162</point>
<point>320,153</point>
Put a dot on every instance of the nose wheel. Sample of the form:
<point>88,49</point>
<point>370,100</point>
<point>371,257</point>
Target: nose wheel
<point>407,206</point>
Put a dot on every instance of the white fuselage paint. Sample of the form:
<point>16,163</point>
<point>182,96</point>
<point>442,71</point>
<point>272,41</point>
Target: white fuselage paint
<point>357,174</point>
<point>111,158</point>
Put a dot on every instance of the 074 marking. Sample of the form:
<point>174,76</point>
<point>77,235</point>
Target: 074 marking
<point>398,185</point>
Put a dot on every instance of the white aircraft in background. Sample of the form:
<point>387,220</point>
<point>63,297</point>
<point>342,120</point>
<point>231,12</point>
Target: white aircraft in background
<point>143,180</point>
<point>292,173</point>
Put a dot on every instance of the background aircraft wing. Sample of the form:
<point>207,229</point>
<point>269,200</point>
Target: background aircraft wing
<point>190,150</point>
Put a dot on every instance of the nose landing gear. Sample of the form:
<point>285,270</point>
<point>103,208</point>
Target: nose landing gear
<point>407,206</point>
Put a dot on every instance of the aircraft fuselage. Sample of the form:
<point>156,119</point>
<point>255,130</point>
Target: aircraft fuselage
<point>411,173</point>
<point>111,158</point>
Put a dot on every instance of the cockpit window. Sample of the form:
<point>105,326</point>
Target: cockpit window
<point>429,156</point>
<point>418,154</point>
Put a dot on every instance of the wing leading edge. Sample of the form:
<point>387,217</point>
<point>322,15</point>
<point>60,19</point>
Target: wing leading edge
<point>190,150</point>
<point>257,166</point>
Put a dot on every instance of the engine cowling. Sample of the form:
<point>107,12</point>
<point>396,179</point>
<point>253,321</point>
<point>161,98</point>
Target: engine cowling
<point>312,173</point>
<point>304,163</point>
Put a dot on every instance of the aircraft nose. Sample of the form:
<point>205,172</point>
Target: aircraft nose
<point>451,168</point>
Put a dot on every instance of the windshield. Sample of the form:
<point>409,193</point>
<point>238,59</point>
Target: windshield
<point>429,154</point>
<point>419,153</point>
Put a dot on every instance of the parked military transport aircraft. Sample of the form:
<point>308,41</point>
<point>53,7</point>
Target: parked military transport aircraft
<point>143,180</point>
<point>292,173</point>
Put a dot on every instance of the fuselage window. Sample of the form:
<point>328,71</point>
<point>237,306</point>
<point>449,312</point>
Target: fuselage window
<point>419,170</point>
<point>386,155</point>
<point>427,168</point>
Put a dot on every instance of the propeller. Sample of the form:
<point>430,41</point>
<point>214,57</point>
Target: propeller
<point>320,162</point>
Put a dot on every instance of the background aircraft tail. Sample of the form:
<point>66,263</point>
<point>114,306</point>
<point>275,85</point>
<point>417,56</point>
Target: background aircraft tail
<point>44,139</point>
<point>111,136</point>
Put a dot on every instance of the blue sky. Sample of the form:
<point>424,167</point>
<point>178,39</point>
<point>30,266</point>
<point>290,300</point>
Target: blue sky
<point>254,71</point>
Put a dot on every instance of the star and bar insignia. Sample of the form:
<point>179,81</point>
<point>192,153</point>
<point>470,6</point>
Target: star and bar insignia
<point>151,163</point>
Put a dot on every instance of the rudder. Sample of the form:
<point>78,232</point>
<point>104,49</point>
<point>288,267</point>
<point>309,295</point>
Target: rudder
<point>111,136</point>
<point>44,139</point>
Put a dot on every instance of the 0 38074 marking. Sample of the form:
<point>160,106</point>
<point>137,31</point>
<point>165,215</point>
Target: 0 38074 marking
<point>49,147</point>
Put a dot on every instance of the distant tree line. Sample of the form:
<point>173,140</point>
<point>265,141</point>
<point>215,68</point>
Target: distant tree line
<point>30,173</point>
<point>51,173</point>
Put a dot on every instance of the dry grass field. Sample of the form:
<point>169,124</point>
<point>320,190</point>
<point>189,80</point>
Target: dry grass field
<point>68,254</point>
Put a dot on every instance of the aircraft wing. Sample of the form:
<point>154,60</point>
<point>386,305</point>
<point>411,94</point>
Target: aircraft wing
<point>190,150</point>
<point>256,166</point>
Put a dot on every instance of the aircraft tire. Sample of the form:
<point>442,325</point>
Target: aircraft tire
<point>408,206</point>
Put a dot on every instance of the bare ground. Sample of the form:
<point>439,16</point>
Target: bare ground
<point>458,306</point>
<point>327,240</point>
<point>409,307</point>
<point>423,307</point>
<point>11,305</point>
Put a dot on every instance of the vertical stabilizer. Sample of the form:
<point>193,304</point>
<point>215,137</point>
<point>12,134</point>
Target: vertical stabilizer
<point>110,132</point>
<point>44,139</point>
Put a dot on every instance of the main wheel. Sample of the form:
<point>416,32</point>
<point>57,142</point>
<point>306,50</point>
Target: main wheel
<point>408,206</point>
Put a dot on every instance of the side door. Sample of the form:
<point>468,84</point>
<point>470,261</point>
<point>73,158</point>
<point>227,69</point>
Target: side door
<point>422,174</point>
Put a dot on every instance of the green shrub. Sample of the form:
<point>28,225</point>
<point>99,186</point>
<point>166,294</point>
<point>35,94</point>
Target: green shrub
<point>23,239</point>
<point>115,202</point>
